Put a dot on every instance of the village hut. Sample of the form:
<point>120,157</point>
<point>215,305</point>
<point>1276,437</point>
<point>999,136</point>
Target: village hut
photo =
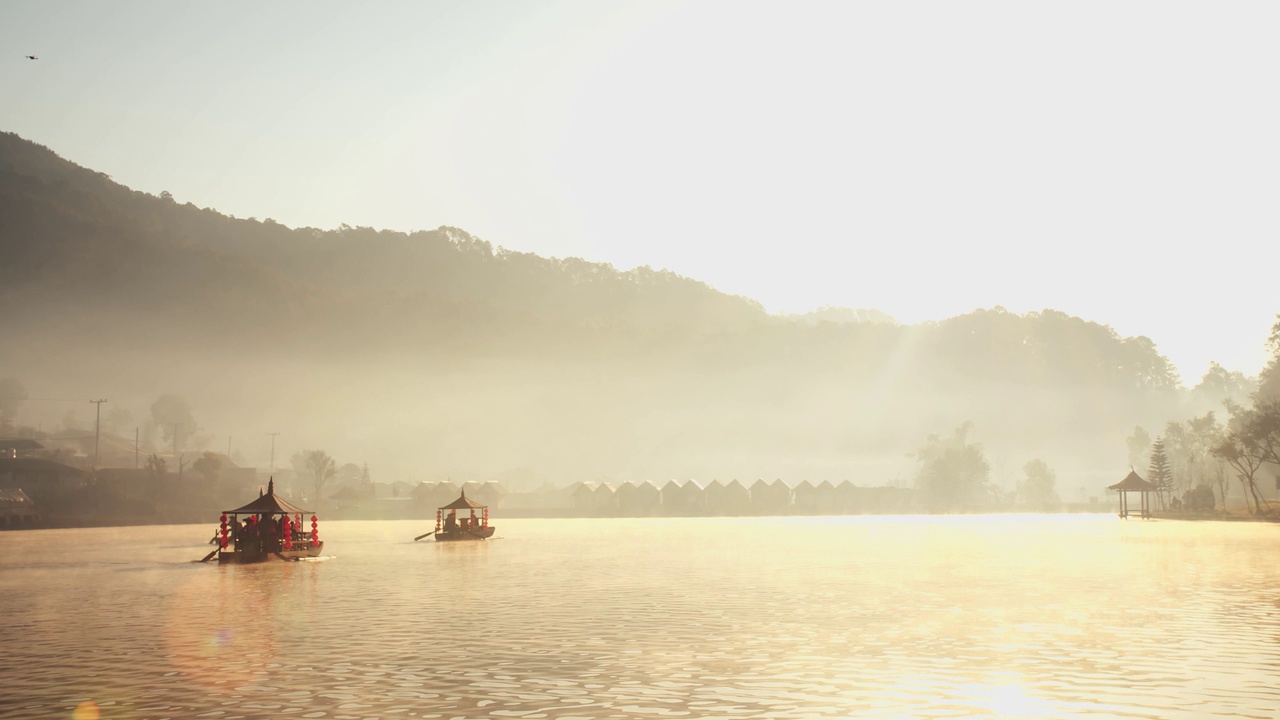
<point>848,498</point>
<point>807,500</point>
<point>491,493</point>
<point>683,498</point>
<point>582,497</point>
<point>731,498</point>
<point>639,499</point>
<point>1133,483</point>
<point>605,499</point>
<point>770,498</point>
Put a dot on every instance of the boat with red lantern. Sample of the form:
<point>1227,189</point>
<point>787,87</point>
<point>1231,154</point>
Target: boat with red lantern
<point>273,529</point>
<point>450,527</point>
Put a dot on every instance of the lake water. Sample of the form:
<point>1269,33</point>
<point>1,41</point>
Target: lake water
<point>880,617</point>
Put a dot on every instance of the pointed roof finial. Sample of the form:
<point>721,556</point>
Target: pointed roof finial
<point>271,486</point>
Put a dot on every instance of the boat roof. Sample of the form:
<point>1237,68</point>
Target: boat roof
<point>268,503</point>
<point>462,503</point>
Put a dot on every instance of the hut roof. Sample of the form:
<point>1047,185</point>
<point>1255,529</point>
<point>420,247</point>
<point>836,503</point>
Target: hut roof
<point>1132,482</point>
<point>268,503</point>
<point>10,497</point>
<point>462,503</point>
<point>19,444</point>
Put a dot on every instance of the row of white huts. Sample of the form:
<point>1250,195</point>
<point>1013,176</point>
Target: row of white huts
<point>676,497</point>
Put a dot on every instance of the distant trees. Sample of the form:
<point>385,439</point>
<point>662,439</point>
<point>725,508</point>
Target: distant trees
<point>1038,490</point>
<point>156,467</point>
<point>322,468</point>
<point>1189,448</point>
<point>208,465</point>
<point>1269,378</point>
<point>1252,439</point>
<point>954,472</point>
<point>172,415</point>
<point>1139,446</point>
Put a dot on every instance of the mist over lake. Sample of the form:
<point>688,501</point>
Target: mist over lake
<point>1076,616</point>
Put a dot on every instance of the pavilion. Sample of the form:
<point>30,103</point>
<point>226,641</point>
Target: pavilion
<point>1133,483</point>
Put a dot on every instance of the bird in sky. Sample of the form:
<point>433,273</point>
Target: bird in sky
<point>32,57</point>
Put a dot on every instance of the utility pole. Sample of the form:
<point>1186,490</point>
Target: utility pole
<point>273,451</point>
<point>97,424</point>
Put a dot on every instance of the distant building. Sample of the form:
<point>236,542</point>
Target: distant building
<point>639,500</point>
<point>16,509</point>
<point>683,498</point>
<point>14,448</point>
<point>491,494</point>
<point>41,479</point>
<point>770,498</point>
<point>593,498</point>
<point>731,498</point>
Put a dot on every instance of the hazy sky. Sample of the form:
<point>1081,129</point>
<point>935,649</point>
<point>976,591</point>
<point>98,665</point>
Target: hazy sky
<point>1114,160</point>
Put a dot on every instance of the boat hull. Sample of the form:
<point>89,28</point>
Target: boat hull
<point>465,535</point>
<point>244,557</point>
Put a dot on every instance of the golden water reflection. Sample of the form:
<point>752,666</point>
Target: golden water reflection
<point>994,616</point>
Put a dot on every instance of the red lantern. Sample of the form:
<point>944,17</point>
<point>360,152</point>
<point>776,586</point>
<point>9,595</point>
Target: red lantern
<point>315,532</point>
<point>288,533</point>
<point>222,542</point>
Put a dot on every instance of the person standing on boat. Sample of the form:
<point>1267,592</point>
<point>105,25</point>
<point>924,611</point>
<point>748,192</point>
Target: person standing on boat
<point>451,522</point>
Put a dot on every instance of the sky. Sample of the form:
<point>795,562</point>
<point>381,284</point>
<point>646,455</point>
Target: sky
<point>1115,161</point>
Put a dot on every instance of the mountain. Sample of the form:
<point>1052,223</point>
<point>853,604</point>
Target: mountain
<point>433,353</point>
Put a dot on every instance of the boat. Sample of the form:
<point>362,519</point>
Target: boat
<point>272,530</point>
<point>451,528</point>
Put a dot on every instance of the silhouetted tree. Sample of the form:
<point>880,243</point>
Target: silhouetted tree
<point>156,466</point>
<point>1038,491</point>
<point>322,468</point>
<point>1269,378</point>
<point>1242,453</point>
<point>1159,473</point>
<point>953,472</point>
<point>172,415</point>
<point>1139,444</point>
<point>208,465</point>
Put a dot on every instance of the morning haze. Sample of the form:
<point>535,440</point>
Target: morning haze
<point>632,359</point>
<point>435,355</point>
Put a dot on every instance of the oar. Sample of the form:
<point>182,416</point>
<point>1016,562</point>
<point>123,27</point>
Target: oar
<point>209,557</point>
<point>433,532</point>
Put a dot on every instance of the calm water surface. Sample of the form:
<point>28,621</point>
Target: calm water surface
<point>885,617</point>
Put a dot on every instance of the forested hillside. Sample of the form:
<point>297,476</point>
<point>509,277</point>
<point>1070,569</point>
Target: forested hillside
<point>435,353</point>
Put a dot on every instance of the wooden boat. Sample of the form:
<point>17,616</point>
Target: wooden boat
<point>273,530</point>
<point>451,528</point>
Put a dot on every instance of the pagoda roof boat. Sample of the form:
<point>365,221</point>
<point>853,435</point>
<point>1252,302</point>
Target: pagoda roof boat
<point>451,528</point>
<point>273,530</point>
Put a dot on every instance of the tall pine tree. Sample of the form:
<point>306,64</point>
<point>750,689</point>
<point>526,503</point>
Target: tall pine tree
<point>1159,472</point>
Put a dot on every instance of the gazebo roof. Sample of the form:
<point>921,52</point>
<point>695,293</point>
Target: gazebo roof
<point>1132,483</point>
<point>462,503</point>
<point>269,503</point>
